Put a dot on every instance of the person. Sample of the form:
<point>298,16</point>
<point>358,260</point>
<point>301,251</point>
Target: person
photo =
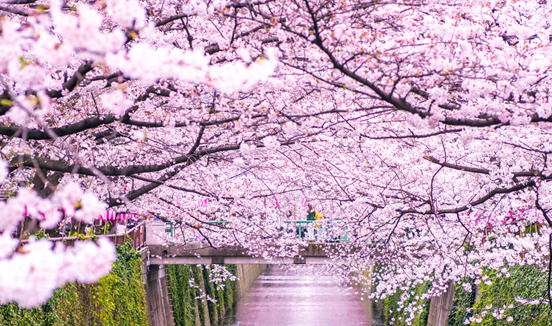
<point>213,217</point>
<point>289,216</point>
<point>65,228</point>
<point>120,228</point>
<point>319,232</point>
<point>131,223</point>
<point>287,220</point>
<point>311,217</point>
<point>89,227</point>
<point>311,213</point>
<point>261,232</point>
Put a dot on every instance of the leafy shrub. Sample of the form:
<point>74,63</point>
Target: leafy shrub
<point>117,299</point>
<point>526,283</point>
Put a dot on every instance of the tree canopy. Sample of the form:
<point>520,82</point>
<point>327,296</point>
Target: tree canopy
<point>390,116</point>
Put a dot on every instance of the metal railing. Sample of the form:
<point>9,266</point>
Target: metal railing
<point>319,231</point>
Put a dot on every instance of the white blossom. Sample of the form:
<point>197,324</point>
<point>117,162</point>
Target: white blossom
<point>271,143</point>
<point>116,102</point>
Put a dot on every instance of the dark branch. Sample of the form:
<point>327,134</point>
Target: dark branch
<point>71,129</point>
<point>531,173</point>
<point>456,167</point>
<point>170,19</point>
<point>62,166</point>
<point>72,83</point>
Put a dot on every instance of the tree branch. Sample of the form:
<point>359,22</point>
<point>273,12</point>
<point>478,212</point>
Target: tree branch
<point>531,173</point>
<point>72,83</point>
<point>170,19</point>
<point>62,166</point>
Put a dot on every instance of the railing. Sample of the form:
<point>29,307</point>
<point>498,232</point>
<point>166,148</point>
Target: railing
<point>137,235</point>
<point>319,231</point>
<point>325,231</point>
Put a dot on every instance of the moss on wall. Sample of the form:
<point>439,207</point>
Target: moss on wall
<point>392,308</point>
<point>183,282</point>
<point>497,302</point>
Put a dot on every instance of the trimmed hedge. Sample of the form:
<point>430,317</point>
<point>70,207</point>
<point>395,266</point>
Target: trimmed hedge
<point>117,299</point>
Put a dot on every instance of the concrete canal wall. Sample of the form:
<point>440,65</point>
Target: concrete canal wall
<point>440,306</point>
<point>247,274</point>
<point>157,296</point>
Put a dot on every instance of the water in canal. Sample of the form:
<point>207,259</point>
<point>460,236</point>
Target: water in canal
<point>300,297</point>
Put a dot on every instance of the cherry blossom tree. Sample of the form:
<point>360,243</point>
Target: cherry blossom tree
<point>389,116</point>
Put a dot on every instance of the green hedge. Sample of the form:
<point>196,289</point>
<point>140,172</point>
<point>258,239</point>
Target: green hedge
<point>526,282</point>
<point>186,300</point>
<point>391,309</point>
<point>496,296</point>
<point>117,299</point>
<point>182,295</point>
<point>394,314</point>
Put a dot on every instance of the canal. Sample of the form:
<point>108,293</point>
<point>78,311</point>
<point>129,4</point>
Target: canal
<point>302,296</point>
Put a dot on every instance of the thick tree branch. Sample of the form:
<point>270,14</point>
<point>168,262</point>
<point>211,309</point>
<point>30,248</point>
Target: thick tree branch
<point>412,136</point>
<point>147,188</point>
<point>14,11</point>
<point>197,141</point>
<point>19,2</point>
<point>72,83</point>
<point>170,19</point>
<point>91,123</point>
<point>62,166</point>
<point>483,199</point>
<point>71,129</point>
<point>531,173</point>
<point>456,167</point>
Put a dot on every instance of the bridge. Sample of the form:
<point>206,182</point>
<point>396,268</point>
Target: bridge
<point>311,253</point>
<point>162,252</point>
